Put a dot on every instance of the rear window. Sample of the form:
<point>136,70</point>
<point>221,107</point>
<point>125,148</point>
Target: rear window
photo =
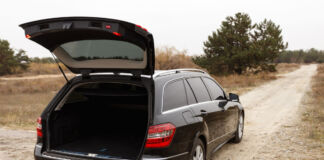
<point>103,49</point>
<point>174,95</point>
<point>199,89</point>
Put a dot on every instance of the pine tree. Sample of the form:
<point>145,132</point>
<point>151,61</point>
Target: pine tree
<point>239,46</point>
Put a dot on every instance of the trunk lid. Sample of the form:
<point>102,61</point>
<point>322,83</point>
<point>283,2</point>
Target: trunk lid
<point>89,44</point>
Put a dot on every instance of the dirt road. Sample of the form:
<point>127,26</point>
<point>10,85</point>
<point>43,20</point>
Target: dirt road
<point>267,108</point>
<point>16,144</point>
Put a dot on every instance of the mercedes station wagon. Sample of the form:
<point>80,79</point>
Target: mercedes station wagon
<point>118,107</point>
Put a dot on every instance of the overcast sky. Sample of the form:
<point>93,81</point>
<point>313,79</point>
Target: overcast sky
<point>183,24</point>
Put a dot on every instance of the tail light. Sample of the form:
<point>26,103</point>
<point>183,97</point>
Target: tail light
<point>160,135</point>
<point>39,128</point>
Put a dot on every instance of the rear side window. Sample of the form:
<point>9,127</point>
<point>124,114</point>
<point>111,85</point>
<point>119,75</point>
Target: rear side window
<point>190,95</point>
<point>174,95</point>
<point>215,91</point>
<point>199,89</point>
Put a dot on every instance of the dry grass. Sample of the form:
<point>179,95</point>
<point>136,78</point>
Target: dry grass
<point>40,68</point>
<point>22,101</point>
<point>22,110</point>
<point>242,83</point>
<point>171,58</point>
<point>42,85</point>
<point>313,116</point>
<point>287,67</point>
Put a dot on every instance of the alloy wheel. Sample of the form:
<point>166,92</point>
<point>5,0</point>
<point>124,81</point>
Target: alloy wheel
<point>199,153</point>
<point>240,127</point>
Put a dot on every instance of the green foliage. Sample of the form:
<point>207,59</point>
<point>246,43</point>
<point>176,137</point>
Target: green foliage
<point>11,62</point>
<point>239,46</point>
<point>301,56</point>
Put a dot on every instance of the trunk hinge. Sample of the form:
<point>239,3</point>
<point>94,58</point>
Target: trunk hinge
<point>58,64</point>
<point>137,74</point>
<point>85,74</point>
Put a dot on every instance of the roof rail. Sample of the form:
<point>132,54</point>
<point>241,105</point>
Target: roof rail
<point>174,71</point>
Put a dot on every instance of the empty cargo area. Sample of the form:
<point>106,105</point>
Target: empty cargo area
<point>103,120</point>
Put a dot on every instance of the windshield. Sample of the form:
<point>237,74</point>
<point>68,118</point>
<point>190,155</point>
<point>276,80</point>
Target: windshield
<point>103,49</point>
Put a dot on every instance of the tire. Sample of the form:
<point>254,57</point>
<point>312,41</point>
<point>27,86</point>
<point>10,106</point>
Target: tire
<point>239,130</point>
<point>198,151</point>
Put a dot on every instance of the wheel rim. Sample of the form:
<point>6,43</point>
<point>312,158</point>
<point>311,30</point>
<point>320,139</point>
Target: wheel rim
<point>199,153</point>
<point>240,127</point>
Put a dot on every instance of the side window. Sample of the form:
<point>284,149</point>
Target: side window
<point>215,91</point>
<point>199,89</point>
<point>191,97</point>
<point>174,95</point>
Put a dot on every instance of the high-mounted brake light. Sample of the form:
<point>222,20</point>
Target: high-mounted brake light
<point>117,34</point>
<point>28,36</point>
<point>39,127</point>
<point>141,27</point>
<point>108,26</point>
<point>160,135</point>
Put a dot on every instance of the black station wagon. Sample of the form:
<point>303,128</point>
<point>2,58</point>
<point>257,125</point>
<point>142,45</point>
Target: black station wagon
<point>118,106</point>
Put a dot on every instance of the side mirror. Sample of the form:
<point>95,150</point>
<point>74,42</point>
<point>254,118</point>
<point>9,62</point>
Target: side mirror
<point>234,97</point>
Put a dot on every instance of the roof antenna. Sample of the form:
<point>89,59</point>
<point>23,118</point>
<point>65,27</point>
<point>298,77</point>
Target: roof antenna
<point>57,62</point>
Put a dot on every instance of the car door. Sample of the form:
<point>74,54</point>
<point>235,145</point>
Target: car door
<point>213,115</point>
<point>230,111</point>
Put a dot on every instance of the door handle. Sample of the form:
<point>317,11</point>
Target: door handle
<point>203,113</point>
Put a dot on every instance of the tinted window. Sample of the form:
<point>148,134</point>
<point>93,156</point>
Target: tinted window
<point>199,89</point>
<point>215,91</point>
<point>103,49</point>
<point>174,95</point>
<point>190,95</point>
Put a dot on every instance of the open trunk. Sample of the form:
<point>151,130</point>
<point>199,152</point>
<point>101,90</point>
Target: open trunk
<point>103,120</point>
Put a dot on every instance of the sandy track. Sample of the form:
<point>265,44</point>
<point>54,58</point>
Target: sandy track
<point>16,144</point>
<point>267,108</point>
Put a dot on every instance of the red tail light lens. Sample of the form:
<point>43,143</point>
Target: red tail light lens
<point>39,127</point>
<point>28,36</point>
<point>160,135</point>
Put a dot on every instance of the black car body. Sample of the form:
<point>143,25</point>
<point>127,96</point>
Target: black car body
<point>118,107</point>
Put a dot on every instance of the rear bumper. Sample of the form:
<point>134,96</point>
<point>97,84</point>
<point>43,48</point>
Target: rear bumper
<point>39,156</point>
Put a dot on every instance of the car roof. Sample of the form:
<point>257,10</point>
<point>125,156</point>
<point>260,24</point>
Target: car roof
<point>161,73</point>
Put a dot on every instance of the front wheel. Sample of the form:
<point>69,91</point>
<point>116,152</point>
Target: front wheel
<point>198,151</point>
<point>239,131</point>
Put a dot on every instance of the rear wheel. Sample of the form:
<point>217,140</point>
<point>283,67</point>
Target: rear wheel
<point>198,151</point>
<point>239,132</point>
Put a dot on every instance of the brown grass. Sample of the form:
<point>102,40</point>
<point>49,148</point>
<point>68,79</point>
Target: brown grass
<point>40,68</point>
<point>287,67</point>
<point>22,110</point>
<point>42,85</point>
<point>171,58</point>
<point>22,101</point>
<point>313,115</point>
<point>242,83</point>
